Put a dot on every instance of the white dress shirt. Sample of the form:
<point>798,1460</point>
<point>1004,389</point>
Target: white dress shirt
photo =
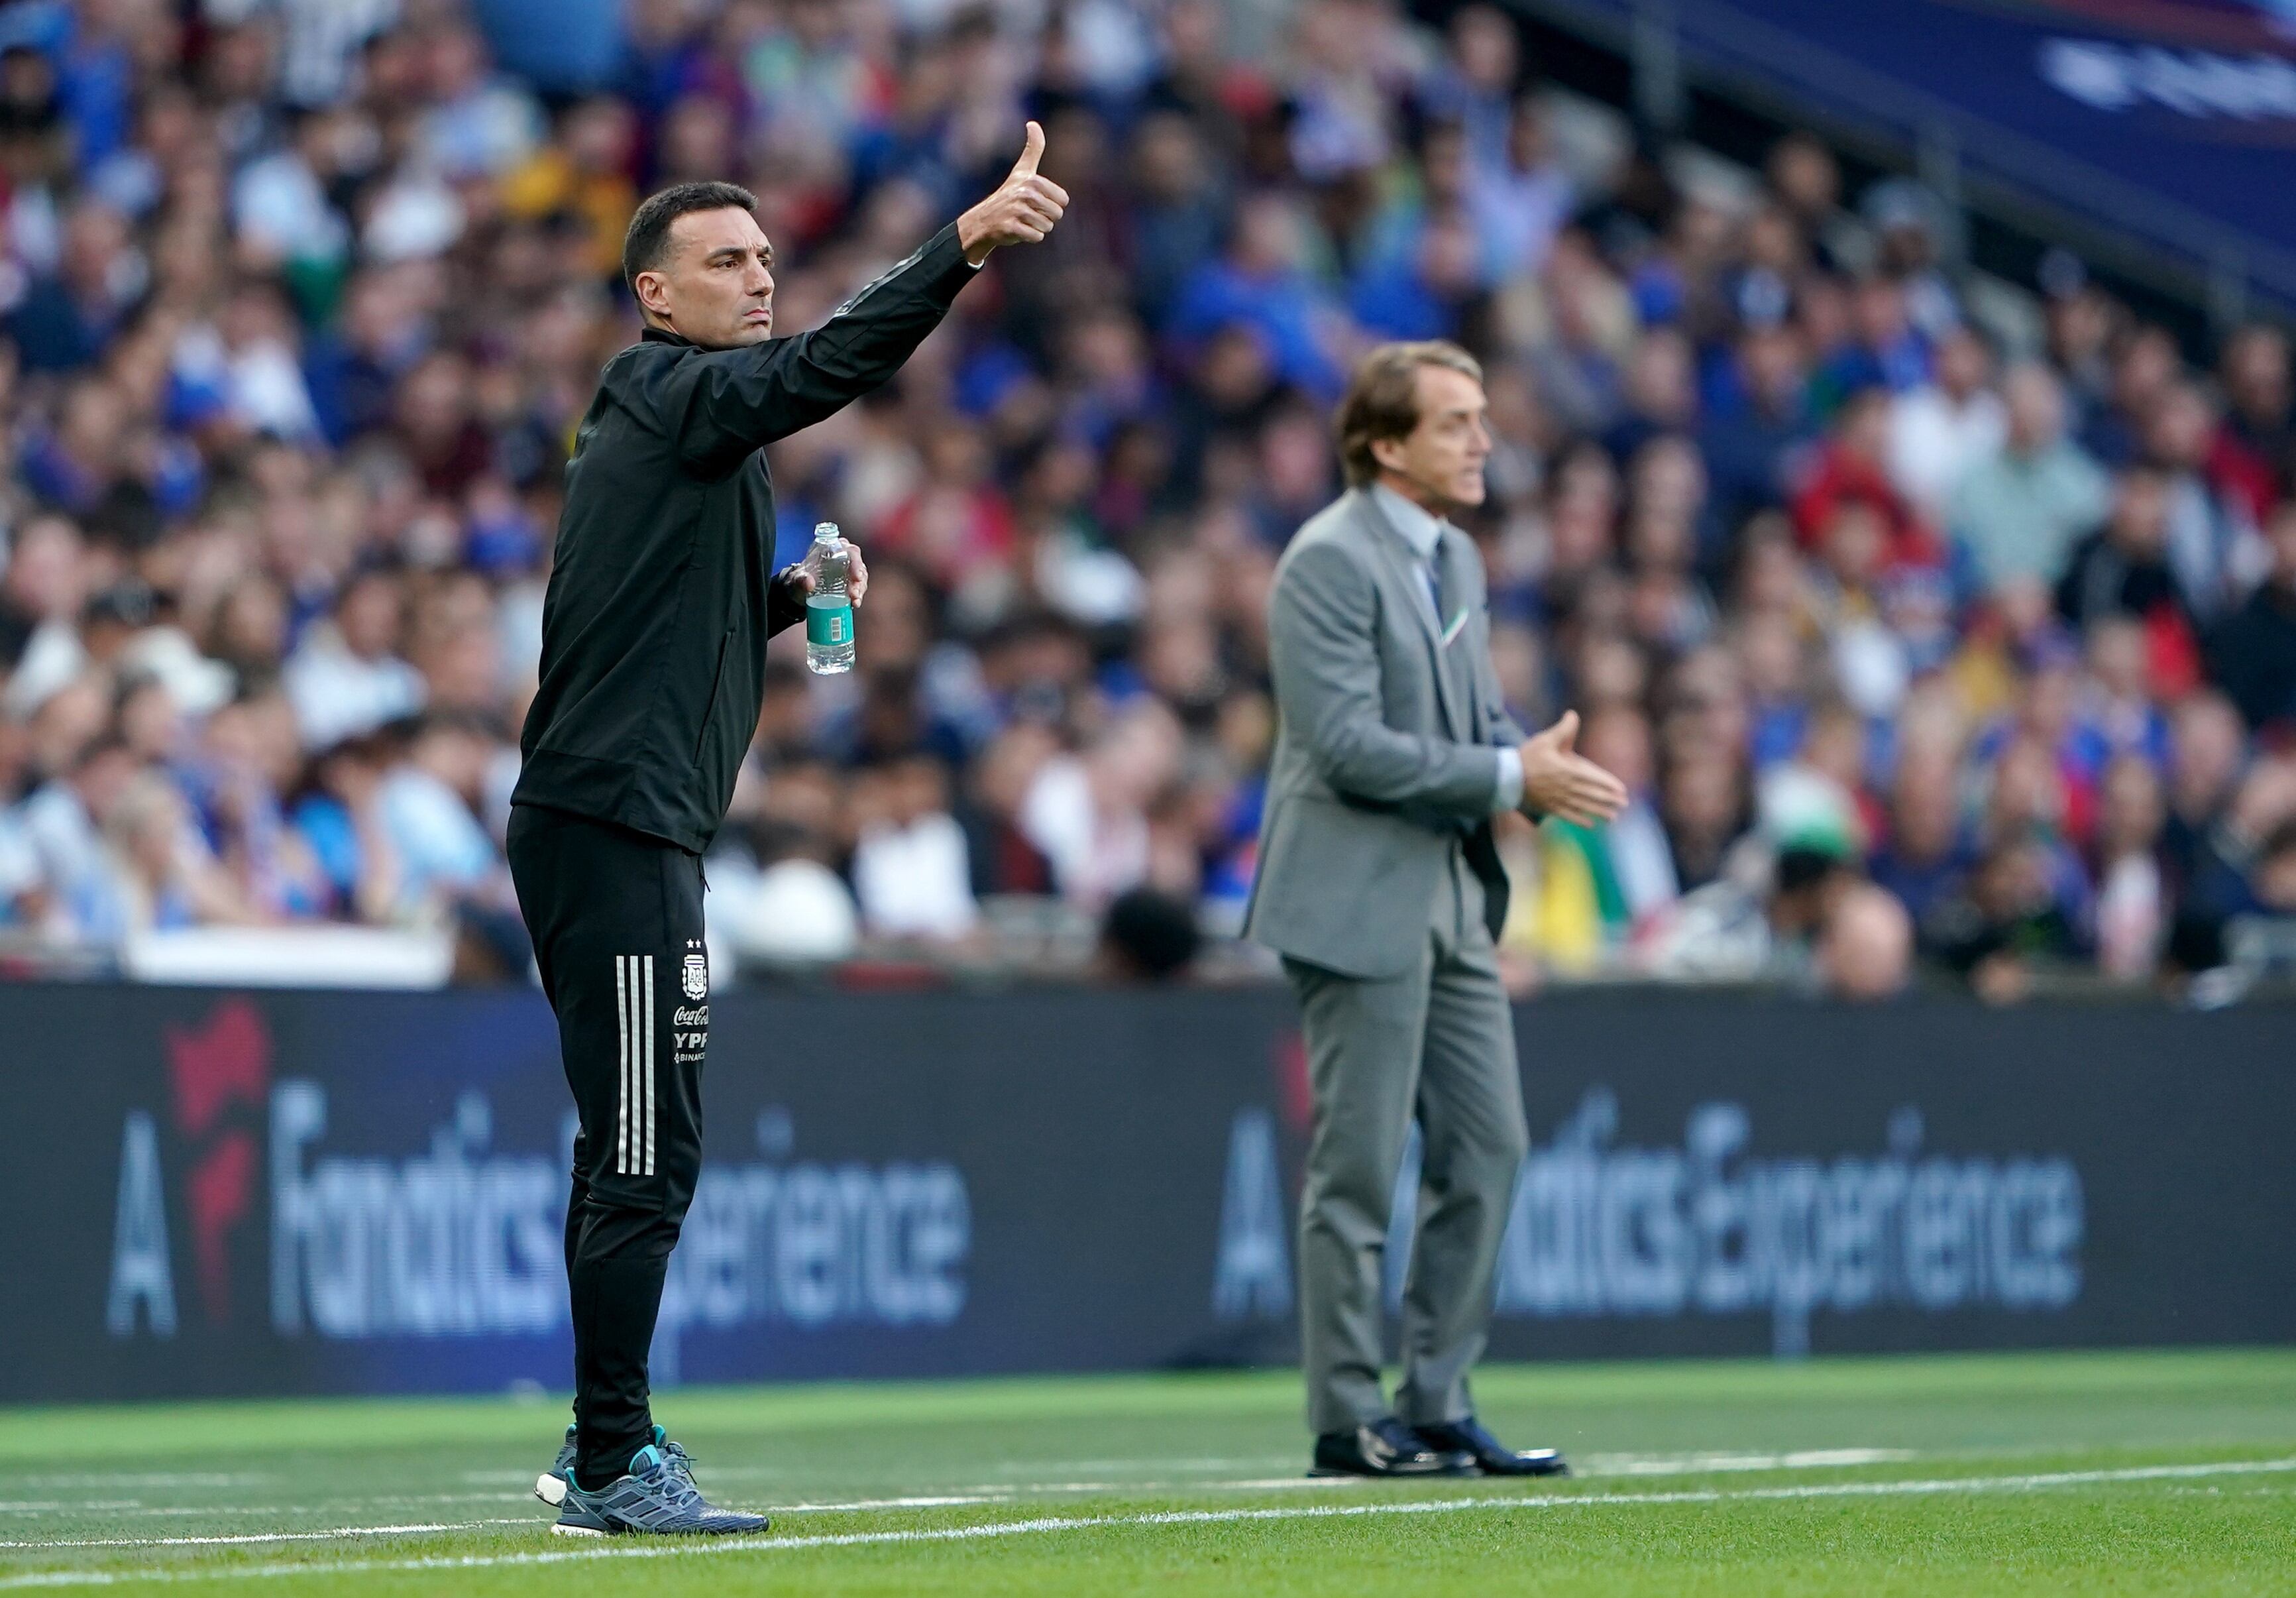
<point>1422,535</point>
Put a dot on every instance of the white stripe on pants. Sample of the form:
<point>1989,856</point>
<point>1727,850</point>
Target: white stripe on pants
<point>622,1086</point>
<point>646,1104</point>
<point>634,1109</point>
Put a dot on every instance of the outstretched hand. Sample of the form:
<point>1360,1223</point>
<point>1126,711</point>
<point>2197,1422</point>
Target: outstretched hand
<point>1557,780</point>
<point>1021,211</point>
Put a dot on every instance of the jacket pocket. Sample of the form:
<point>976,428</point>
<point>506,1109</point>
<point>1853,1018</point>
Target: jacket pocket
<point>1344,887</point>
<point>717,684</point>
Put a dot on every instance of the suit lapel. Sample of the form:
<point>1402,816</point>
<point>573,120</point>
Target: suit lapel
<point>1395,554</point>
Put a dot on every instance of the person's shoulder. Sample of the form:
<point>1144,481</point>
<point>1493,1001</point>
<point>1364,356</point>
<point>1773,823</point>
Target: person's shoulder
<point>1328,539</point>
<point>645,355</point>
<point>1336,522</point>
<point>641,383</point>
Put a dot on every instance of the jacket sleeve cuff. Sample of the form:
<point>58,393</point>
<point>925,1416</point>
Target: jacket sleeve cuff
<point>944,258</point>
<point>784,601</point>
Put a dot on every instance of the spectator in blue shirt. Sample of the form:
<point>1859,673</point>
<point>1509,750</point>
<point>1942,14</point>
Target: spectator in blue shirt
<point>1262,281</point>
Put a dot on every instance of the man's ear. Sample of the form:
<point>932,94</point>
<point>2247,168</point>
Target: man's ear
<point>653,290</point>
<point>1388,453</point>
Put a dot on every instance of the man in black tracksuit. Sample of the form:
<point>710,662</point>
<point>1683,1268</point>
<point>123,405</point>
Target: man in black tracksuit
<point>653,647</point>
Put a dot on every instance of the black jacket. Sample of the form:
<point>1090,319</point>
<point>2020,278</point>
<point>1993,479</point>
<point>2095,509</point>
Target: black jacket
<point>662,593</point>
<point>2103,579</point>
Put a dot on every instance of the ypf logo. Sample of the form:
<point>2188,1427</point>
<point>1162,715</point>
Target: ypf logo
<point>219,1075</point>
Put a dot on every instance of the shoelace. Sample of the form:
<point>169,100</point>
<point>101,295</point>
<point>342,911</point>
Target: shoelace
<point>676,1487</point>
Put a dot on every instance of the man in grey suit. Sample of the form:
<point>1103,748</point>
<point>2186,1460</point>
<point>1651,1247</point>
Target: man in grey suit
<point>1380,885</point>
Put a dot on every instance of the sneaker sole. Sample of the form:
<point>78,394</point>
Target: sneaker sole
<point>560,1528</point>
<point>549,1489</point>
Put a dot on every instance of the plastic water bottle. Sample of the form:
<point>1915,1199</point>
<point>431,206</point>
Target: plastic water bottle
<point>829,608</point>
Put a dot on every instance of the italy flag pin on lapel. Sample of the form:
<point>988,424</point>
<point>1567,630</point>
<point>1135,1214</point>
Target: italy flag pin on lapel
<point>1459,625</point>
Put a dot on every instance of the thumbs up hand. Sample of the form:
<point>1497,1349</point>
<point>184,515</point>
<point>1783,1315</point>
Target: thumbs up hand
<point>1021,211</point>
<point>1557,780</point>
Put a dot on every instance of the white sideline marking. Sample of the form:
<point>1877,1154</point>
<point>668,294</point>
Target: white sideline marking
<point>1699,1464</point>
<point>1119,1466</point>
<point>150,1478</point>
<point>714,1471</point>
<point>987,1492</point>
<point>130,1507</point>
<point>947,1501</point>
<point>1597,1465</point>
<point>1007,1528</point>
<point>229,1539</point>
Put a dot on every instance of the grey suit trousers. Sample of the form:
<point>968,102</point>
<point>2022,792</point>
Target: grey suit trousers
<point>1435,1044</point>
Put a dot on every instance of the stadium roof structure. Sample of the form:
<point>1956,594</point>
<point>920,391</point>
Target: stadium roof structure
<point>2162,124</point>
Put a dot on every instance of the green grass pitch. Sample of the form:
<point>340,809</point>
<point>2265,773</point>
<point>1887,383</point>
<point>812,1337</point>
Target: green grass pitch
<point>2050,1473</point>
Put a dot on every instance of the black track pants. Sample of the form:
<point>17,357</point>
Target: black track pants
<point>615,919</point>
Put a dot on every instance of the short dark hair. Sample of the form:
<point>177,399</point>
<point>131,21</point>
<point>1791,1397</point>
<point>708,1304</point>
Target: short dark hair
<point>1382,399</point>
<point>1152,936</point>
<point>649,233</point>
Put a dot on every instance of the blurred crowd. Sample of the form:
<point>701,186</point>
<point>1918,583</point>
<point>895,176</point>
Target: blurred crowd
<point>1913,641</point>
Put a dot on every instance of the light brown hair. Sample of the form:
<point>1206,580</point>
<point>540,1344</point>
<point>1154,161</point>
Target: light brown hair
<point>1382,399</point>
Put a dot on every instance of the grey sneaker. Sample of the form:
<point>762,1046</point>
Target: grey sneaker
<point>652,1497</point>
<point>550,1486</point>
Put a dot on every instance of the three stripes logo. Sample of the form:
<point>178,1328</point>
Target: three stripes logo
<point>633,1119</point>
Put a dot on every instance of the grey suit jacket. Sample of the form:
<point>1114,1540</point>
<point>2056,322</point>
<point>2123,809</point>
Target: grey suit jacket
<point>1385,754</point>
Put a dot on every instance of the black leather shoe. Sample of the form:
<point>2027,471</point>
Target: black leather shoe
<point>1386,1448</point>
<point>1490,1456</point>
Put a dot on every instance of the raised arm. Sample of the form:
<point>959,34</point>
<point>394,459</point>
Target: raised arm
<point>737,399</point>
<point>734,401</point>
